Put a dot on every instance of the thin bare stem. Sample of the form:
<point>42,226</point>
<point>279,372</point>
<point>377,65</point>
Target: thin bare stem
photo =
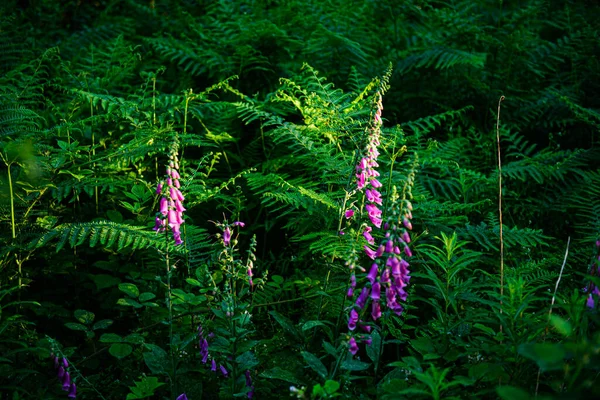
<point>562,268</point>
<point>500,206</point>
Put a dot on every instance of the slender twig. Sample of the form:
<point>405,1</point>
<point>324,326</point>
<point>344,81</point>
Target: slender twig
<point>500,207</point>
<point>562,268</point>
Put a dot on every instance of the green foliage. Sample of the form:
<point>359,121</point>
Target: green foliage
<point>272,103</point>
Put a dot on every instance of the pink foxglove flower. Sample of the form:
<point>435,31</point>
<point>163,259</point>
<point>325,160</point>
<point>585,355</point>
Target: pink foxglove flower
<point>171,202</point>
<point>352,346</point>
<point>227,236</point>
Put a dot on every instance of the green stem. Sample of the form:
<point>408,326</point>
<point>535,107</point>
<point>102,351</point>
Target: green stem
<point>170,307</point>
<point>12,208</point>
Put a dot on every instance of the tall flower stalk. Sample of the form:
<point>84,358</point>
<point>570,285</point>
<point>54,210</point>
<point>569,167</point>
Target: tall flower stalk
<point>170,214</point>
<point>388,274</point>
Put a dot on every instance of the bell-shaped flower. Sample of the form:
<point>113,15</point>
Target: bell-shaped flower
<point>352,320</point>
<point>227,236</point>
<point>590,301</point>
<point>376,292</point>
<point>223,371</point>
<point>375,310</point>
<point>373,272</point>
<point>163,206</point>
<point>361,301</point>
<point>66,382</point>
<point>389,246</point>
<point>405,237</point>
<point>72,391</point>
<point>182,397</point>
<point>375,183</point>
<point>368,236</point>
<point>213,365</point>
<point>371,253</point>
<point>352,346</point>
<point>179,206</point>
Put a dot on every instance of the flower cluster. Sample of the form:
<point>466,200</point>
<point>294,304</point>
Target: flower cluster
<point>388,275</point>
<point>62,371</point>
<point>171,203</point>
<point>592,289</point>
<point>203,342</point>
<point>366,176</point>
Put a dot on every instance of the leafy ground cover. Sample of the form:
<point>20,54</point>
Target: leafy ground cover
<point>305,199</point>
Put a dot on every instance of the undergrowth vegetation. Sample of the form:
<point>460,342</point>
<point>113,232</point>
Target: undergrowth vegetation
<point>315,199</point>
